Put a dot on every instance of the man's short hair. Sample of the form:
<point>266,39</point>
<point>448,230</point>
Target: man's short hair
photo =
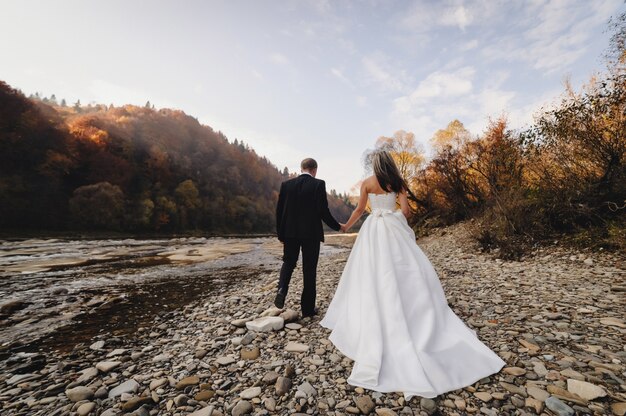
<point>308,164</point>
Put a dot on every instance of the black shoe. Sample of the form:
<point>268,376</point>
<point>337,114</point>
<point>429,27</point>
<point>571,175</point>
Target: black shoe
<point>310,314</point>
<point>279,301</point>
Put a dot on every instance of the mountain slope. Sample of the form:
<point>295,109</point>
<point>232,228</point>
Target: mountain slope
<point>129,168</point>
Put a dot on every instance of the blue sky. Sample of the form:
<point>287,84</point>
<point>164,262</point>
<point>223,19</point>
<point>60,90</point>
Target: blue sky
<point>314,78</point>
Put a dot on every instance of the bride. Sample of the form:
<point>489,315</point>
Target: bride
<point>389,313</point>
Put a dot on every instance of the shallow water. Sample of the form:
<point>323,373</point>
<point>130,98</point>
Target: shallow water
<point>59,292</point>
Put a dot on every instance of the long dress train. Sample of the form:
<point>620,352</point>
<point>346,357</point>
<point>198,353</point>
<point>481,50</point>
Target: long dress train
<point>390,315</point>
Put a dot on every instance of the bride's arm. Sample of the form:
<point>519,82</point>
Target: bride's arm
<point>360,208</point>
<point>404,204</point>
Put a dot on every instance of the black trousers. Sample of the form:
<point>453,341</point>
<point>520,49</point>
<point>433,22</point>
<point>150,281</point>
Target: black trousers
<point>310,255</point>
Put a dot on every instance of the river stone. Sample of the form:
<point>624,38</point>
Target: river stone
<point>293,346</point>
<point>250,393</point>
<point>20,378</point>
<point>204,395</point>
<point>270,404</point>
<point>79,393</point>
<point>225,360</point>
<point>532,347</point>
<point>283,385</point>
<point>101,393</point>
<point>514,388</point>
<point>181,400</point>
<point>250,353</point>
<point>569,373</point>
<point>248,338</point>
<point>537,393</point>
<point>619,409</point>
<point>517,402</point>
<point>289,315</point>
<point>585,390</point>
<point>483,395</point>
<point>136,402</point>
<point>106,366</point>
<point>270,377</point>
<point>129,386</point>
<point>290,371</point>
<point>239,323</point>
<point>266,324</point>
<point>383,411</point>
<point>243,407</point>
<point>154,384</point>
<point>365,404</point>
<point>560,393</point>
<point>533,403</point>
<point>97,346</point>
<point>187,381</point>
<point>540,369</point>
<point>85,408</point>
<point>205,411</point>
<point>116,352</point>
<point>87,374</point>
<point>558,407</point>
<point>459,404</point>
<point>161,357</point>
<point>429,405</point>
<point>515,371</point>
<point>611,321</point>
<point>307,389</point>
<point>272,311</point>
<point>293,325</point>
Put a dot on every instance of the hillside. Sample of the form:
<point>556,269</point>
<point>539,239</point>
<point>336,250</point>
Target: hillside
<point>129,168</point>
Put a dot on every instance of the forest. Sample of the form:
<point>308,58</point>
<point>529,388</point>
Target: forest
<point>131,169</point>
<point>561,178</point>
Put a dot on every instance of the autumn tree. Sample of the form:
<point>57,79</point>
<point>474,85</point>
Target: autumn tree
<point>98,206</point>
<point>455,135</point>
<point>188,199</point>
<point>406,152</point>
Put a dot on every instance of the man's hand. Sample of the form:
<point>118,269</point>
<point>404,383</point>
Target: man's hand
<point>343,228</point>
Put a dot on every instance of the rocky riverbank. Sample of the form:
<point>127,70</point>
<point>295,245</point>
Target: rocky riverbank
<point>556,318</point>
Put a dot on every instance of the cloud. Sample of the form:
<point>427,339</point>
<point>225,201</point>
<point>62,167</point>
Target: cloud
<point>379,71</point>
<point>469,45</point>
<point>279,59</point>
<point>426,15</point>
<point>456,16</point>
<point>551,36</point>
<point>361,101</point>
<point>444,84</point>
<point>445,95</point>
<point>337,73</point>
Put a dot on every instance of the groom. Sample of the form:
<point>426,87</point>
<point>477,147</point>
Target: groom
<point>302,206</point>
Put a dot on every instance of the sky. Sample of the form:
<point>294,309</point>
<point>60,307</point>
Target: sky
<point>310,78</point>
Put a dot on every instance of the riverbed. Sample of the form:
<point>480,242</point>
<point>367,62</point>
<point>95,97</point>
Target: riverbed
<point>59,292</point>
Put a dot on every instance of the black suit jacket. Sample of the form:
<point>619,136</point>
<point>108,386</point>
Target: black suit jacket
<point>302,206</point>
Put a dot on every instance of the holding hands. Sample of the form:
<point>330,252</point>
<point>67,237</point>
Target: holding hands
<point>343,228</point>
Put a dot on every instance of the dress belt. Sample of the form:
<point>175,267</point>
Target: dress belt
<point>379,212</point>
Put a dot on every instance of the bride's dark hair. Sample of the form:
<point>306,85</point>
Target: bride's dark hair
<point>387,172</point>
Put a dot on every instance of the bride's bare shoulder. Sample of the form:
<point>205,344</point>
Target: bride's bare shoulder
<point>367,183</point>
<point>369,180</point>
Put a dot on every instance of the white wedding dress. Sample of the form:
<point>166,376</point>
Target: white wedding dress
<point>390,315</point>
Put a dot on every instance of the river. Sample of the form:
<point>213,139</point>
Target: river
<point>59,292</point>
